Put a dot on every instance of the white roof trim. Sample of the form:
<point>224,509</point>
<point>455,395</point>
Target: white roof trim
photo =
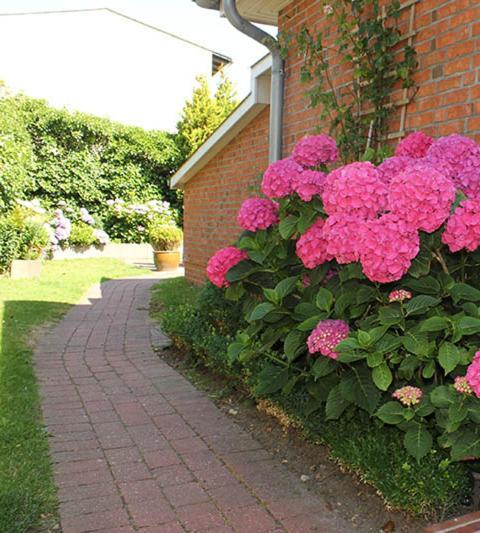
<point>253,104</point>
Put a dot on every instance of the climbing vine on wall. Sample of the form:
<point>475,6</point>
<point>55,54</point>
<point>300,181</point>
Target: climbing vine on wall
<point>368,45</point>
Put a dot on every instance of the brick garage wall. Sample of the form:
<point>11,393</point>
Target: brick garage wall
<point>447,41</point>
<point>213,197</point>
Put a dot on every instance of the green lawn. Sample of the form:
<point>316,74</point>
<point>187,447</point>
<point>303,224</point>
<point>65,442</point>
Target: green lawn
<point>27,493</point>
<point>172,293</point>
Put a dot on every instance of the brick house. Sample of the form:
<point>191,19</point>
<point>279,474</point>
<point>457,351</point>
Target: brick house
<point>225,170</point>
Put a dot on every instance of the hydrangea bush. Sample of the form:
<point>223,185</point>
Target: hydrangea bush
<point>361,286</point>
<point>129,221</point>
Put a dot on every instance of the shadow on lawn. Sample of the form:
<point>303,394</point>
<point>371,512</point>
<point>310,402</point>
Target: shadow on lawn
<point>27,492</point>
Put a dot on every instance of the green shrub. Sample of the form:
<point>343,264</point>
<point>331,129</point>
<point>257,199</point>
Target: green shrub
<point>129,221</point>
<point>16,152</point>
<point>33,240</point>
<point>9,243</point>
<point>203,322</point>
<point>84,160</point>
<point>81,234</point>
<point>22,236</point>
<point>165,237</point>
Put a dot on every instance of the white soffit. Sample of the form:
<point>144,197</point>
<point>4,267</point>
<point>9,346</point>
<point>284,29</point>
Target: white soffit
<point>245,112</point>
<point>262,11</point>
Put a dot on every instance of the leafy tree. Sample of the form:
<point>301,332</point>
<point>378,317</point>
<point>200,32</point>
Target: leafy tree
<point>202,115</point>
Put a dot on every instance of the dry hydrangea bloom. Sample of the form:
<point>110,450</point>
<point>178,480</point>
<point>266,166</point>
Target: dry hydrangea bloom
<point>315,150</point>
<point>399,295</point>
<point>341,233</point>
<point>415,145</point>
<point>277,180</point>
<point>408,395</point>
<point>308,184</point>
<point>311,247</point>
<point>463,227</point>
<point>421,196</point>
<point>326,337</point>
<point>356,189</point>
<point>473,375</point>
<point>220,263</point>
<point>387,247</point>
<point>257,213</point>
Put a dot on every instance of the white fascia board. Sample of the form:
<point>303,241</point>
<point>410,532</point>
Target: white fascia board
<point>254,103</point>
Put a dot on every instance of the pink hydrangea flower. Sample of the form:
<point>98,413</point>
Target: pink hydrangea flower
<point>341,233</point>
<point>308,183</point>
<point>356,189</point>
<point>463,227</point>
<point>387,248</point>
<point>461,385</point>
<point>414,145</point>
<point>311,247</point>
<point>221,262</point>
<point>473,375</point>
<point>326,337</point>
<point>460,152</point>
<point>408,395</point>
<point>399,295</point>
<point>257,213</point>
<point>315,150</point>
<point>469,182</point>
<point>393,166</point>
<point>277,180</point>
<point>422,196</point>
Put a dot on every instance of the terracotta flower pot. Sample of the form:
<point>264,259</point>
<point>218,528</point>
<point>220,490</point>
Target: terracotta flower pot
<point>166,260</point>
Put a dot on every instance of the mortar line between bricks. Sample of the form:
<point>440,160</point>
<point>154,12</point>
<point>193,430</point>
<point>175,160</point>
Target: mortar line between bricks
<point>119,493</point>
<point>232,472</point>
<point>117,364</point>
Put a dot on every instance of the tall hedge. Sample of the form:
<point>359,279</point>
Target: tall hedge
<point>16,152</point>
<point>57,155</point>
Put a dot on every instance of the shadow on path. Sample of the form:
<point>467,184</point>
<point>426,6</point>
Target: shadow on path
<point>135,445</point>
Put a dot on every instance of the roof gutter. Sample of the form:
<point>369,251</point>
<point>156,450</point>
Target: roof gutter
<point>277,83</point>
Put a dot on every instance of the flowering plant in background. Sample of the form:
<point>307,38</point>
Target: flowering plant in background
<point>129,221</point>
<point>61,226</point>
<point>398,323</point>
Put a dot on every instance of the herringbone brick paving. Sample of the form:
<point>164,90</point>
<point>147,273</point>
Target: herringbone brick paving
<point>136,447</point>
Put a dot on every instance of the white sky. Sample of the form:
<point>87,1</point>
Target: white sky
<point>39,62</point>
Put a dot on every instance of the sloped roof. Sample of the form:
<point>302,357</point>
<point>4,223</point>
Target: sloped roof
<point>245,112</point>
<point>118,14</point>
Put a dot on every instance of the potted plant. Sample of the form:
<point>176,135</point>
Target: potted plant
<point>165,240</point>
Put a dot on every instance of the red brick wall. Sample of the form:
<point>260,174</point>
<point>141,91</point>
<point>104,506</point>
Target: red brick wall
<point>213,196</point>
<point>447,41</point>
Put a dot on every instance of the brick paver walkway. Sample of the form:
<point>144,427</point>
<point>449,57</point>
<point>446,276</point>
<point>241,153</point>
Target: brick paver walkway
<point>137,448</point>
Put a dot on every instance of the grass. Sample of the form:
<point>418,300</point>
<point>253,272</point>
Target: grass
<point>172,293</point>
<point>27,492</point>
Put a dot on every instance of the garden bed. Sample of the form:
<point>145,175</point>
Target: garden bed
<point>432,489</point>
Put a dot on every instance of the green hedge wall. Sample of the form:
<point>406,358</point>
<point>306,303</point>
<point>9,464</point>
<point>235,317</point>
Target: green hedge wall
<point>56,155</point>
